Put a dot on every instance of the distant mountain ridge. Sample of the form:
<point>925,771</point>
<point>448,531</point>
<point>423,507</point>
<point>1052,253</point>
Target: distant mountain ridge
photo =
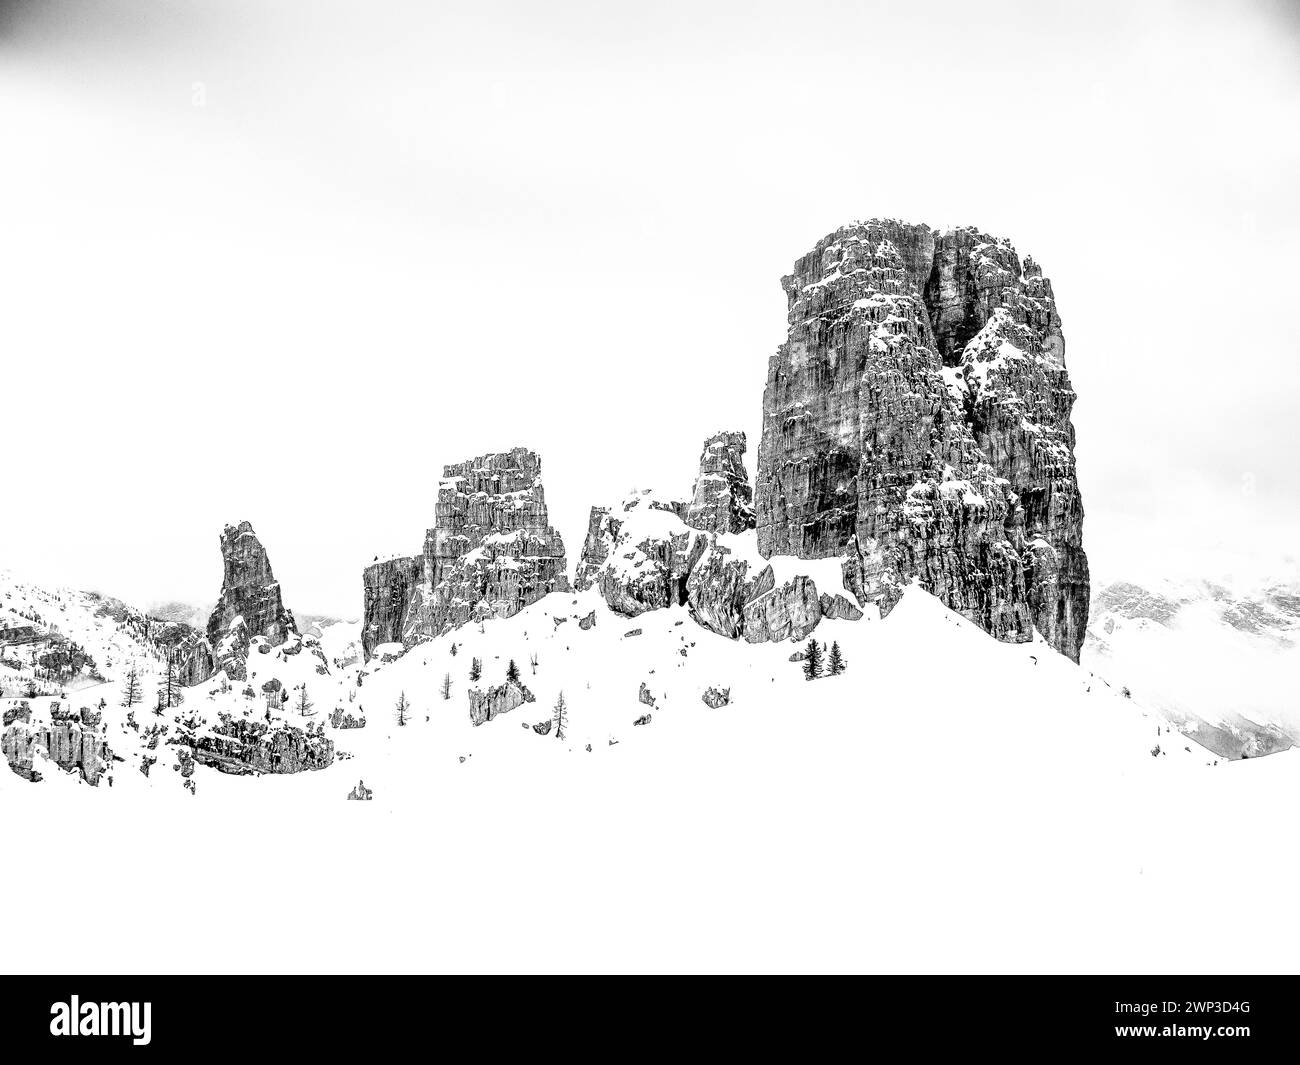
<point>1219,655</point>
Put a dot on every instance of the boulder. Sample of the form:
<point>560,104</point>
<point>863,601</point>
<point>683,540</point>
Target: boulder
<point>790,612</point>
<point>837,608</point>
<point>719,589</point>
<point>486,705</point>
<point>639,556</point>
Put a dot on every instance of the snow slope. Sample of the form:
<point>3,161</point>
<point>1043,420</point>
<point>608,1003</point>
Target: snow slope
<point>948,803</point>
<point>81,617</point>
<point>117,638</point>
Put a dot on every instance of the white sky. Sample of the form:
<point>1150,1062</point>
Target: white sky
<point>282,261</point>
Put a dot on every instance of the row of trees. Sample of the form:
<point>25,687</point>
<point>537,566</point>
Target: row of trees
<point>812,660</point>
<point>512,670</point>
<point>169,687</point>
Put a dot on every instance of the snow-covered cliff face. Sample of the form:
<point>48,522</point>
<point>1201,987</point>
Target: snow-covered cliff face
<point>917,422</point>
<point>490,553</point>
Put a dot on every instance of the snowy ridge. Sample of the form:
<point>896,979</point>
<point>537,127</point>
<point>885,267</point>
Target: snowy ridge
<point>1066,714</point>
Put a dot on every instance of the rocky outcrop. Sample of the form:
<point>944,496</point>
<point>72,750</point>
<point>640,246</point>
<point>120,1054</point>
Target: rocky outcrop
<point>644,556</point>
<point>361,793</point>
<point>917,422</point>
<point>723,498</point>
<point>65,659</point>
<point>250,604</point>
<point>716,697</point>
<point>241,746</point>
<point>789,612</point>
<point>72,740</point>
<point>388,587</point>
<point>188,649</point>
<point>640,556</point>
<point>597,546</point>
<point>720,587</point>
<point>341,719</point>
<point>839,608</point>
<point>19,714</point>
<point>492,550</point>
<point>485,705</point>
<point>729,596</point>
<point>490,553</point>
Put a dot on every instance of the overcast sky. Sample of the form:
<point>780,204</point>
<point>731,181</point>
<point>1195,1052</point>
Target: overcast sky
<point>281,261</point>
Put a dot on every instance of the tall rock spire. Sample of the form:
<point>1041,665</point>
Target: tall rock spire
<point>723,499</point>
<point>917,421</point>
<point>250,604</point>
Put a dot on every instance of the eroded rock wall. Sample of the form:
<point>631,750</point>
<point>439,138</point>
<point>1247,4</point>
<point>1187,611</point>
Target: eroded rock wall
<point>490,553</point>
<point>485,705</point>
<point>388,586</point>
<point>240,747</point>
<point>916,422</point>
<point>72,740</point>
